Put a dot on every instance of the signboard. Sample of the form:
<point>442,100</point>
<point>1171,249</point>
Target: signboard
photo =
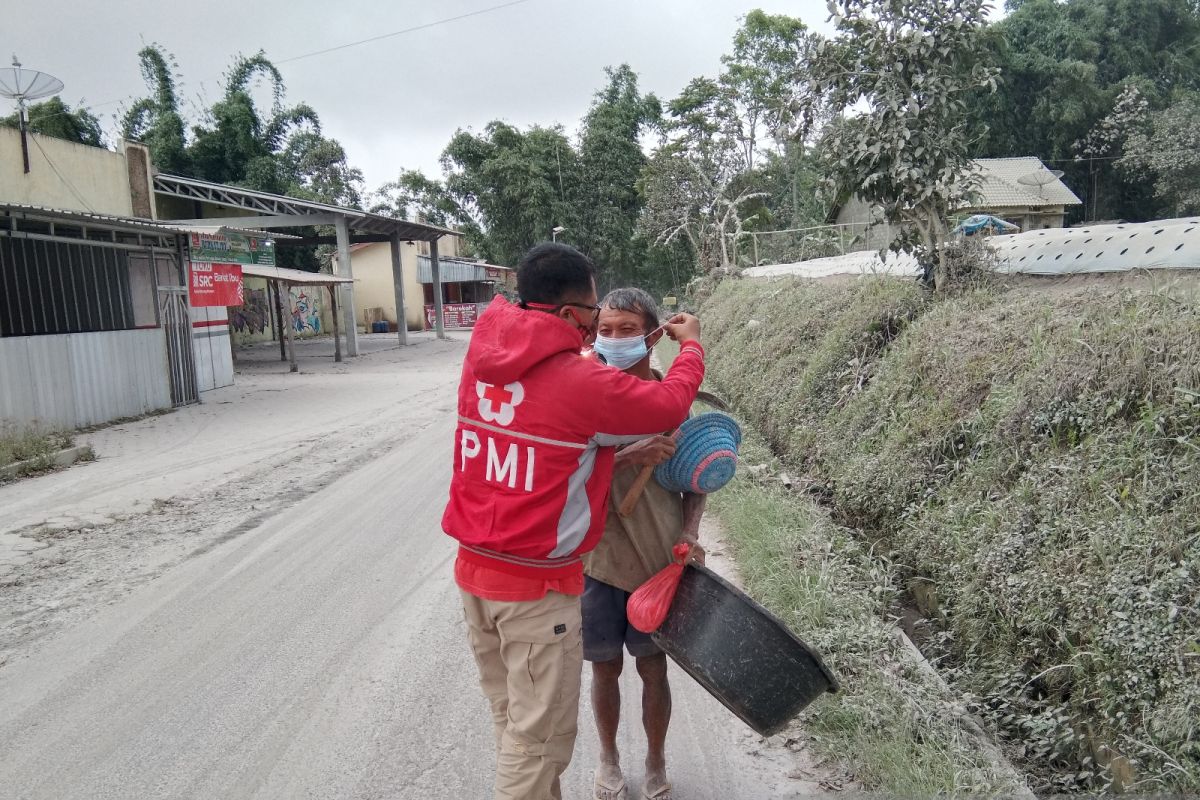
<point>215,284</point>
<point>231,248</point>
<point>454,315</point>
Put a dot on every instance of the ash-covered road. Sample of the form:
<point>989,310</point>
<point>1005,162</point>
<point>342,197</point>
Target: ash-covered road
<point>270,611</point>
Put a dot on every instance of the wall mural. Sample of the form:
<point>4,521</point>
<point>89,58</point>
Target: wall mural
<point>253,315</point>
<point>306,311</point>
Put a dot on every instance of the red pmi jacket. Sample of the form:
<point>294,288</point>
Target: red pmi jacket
<point>537,426</point>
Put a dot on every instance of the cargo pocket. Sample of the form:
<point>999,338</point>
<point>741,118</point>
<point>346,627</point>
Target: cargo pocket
<point>542,654</point>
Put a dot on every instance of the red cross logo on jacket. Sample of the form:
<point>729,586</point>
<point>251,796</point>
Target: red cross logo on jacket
<point>499,403</point>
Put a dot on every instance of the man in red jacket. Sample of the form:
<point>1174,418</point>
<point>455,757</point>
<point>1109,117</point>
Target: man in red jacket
<point>533,460</point>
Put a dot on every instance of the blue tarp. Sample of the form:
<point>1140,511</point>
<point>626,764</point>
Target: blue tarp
<point>985,223</point>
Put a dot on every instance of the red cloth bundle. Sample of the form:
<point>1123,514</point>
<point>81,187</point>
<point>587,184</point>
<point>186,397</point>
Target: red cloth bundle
<point>649,605</point>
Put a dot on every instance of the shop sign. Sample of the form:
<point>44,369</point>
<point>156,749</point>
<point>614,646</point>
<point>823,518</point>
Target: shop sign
<point>454,315</point>
<point>215,284</point>
<point>231,248</point>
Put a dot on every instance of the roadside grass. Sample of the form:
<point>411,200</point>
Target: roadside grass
<point>1027,460</point>
<point>37,448</point>
<point>892,726</point>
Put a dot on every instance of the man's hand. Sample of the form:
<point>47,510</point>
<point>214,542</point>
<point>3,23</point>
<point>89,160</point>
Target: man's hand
<point>683,328</point>
<point>696,550</point>
<point>647,452</point>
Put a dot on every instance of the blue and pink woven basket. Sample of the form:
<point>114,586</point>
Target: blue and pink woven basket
<point>705,455</point>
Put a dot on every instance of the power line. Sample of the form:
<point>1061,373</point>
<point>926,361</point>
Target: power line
<point>382,36</point>
<point>61,177</point>
<point>1080,159</point>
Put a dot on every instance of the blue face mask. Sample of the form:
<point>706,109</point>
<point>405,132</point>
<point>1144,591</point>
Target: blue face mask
<point>621,353</point>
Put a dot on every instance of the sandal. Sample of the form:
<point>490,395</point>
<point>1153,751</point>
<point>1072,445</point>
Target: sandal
<point>661,793</point>
<point>603,791</point>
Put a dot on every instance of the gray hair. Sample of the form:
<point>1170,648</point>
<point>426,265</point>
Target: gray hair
<point>637,301</point>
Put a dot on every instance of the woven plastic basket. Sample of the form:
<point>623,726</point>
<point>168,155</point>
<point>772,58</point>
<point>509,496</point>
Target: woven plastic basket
<point>705,455</point>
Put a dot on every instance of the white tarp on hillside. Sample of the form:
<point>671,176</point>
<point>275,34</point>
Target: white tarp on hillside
<point>1163,244</point>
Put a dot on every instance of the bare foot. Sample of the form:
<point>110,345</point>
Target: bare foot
<point>609,783</point>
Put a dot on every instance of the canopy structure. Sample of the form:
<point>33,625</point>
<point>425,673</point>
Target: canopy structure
<point>297,277</point>
<point>265,211</point>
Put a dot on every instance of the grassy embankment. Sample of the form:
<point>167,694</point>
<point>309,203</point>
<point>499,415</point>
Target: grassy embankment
<point>1021,462</point>
<point>893,727</point>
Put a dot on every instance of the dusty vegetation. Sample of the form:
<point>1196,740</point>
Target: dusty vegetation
<point>32,449</point>
<point>893,727</point>
<point>1029,461</point>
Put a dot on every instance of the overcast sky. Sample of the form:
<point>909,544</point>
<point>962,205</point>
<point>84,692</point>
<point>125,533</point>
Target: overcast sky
<point>392,103</point>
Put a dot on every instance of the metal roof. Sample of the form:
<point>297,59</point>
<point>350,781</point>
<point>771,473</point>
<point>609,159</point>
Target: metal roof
<point>1000,184</point>
<point>84,218</point>
<point>190,228</point>
<point>455,270</point>
<point>297,276</point>
<point>278,205</point>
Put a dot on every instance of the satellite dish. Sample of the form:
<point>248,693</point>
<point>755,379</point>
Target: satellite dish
<point>24,85</point>
<point>1040,178</point>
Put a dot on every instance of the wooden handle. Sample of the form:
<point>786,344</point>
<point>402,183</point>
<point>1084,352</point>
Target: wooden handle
<point>635,491</point>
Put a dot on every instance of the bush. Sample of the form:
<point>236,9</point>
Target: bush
<point>32,447</point>
<point>1031,458</point>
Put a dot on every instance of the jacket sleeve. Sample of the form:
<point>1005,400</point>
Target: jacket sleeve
<point>630,407</point>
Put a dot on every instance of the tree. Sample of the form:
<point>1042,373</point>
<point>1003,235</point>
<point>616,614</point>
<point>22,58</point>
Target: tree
<point>514,186</point>
<point>762,82</point>
<point>691,200</point>
<point>913,65</point>
<point>155,120</point>
<point>1166,150</point>
<point>605,202</point>
<point>1063,65</point>
<point>55,118</point>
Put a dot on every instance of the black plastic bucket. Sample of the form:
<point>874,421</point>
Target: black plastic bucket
<point>741,653</point>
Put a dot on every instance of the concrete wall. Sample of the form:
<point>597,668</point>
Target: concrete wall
<point>99,178</point>
<point>79,379</point>
<point>259,310</point>
<point>866,221</point>
<point>373,284</point>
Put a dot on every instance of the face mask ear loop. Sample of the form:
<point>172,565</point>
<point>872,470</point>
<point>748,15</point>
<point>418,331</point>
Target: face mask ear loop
<point>656,330</point>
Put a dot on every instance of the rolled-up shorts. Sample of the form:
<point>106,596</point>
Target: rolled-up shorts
<point>606,629</point>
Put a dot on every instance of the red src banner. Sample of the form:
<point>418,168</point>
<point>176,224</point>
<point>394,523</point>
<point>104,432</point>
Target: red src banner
<point>215,284</point>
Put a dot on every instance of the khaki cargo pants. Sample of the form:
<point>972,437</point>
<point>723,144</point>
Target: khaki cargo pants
<point>530,658</point>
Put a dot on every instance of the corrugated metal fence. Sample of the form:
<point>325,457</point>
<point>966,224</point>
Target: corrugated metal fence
<point>75,380</point>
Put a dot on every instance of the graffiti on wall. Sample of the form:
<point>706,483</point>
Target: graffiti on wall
<point>306,311</point>
<point>254,313</point>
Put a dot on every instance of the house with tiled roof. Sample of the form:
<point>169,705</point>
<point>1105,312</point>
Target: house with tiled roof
<point>1020,190</point>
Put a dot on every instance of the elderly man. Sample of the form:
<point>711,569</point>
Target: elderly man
<point>633,549</point>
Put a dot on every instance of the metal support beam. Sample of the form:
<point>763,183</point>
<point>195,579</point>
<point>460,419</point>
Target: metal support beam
<point>263,222</point>
<point>311,241</point>
<point>347,271</point>
<point>398,283</point>
<point>439,322</point>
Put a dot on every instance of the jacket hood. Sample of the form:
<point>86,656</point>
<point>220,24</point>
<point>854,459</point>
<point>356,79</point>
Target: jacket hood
<point>508,341</point>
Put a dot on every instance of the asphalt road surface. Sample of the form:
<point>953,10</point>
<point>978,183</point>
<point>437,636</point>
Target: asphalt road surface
<point>317,651</point>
